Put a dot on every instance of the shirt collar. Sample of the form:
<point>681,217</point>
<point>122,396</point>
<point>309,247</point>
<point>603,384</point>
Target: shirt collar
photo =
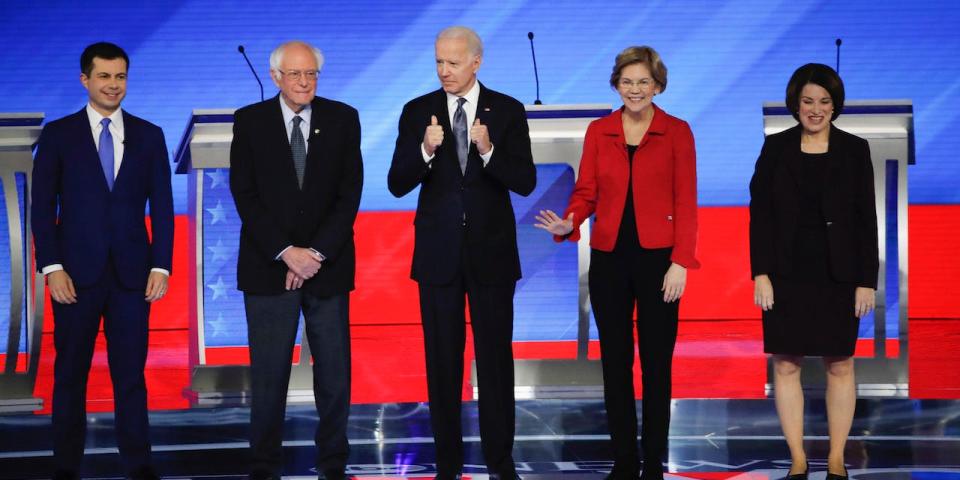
<point>472,96</point>
<point>116,119</point>
<point>288,112</point>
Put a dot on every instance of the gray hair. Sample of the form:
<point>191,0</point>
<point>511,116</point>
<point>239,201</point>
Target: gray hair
<point>276,57</point>
<point>474,44</point>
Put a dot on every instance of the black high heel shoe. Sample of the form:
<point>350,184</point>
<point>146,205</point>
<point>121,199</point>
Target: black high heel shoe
<point>801,476</point>
<point>834,476</point>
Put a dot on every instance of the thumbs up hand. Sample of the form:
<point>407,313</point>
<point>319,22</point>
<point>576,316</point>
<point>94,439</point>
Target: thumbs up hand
<point>480,137</point>
<point>433,136</point>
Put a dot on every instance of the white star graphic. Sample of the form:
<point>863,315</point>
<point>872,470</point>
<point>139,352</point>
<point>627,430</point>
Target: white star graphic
<point>217,178</point>
<point>215,326</point>
<point>219,251</point>
<point>219,288</point>
<point>218,213</point>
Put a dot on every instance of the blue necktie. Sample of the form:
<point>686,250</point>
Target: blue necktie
<point>460,133</point>
<point>106,152</point>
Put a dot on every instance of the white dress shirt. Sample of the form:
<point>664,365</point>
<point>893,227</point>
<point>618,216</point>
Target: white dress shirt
<point>288,115</point>
<point>469,108</point>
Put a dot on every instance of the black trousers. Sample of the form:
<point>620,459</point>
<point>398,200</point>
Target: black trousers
<point>125,325</point>
<point>618,281</point>
<point>272,322</point>
<point>444,333</point>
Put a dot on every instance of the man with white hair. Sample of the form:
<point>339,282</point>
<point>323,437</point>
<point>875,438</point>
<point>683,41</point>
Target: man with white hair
<point>296,174</point>
<point>467,147</point>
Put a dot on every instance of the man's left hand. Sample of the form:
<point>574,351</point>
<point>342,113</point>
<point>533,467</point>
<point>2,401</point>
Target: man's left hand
<point>480,137</point>
<point>156,286</point>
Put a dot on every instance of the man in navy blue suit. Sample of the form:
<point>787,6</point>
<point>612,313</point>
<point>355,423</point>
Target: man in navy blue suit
<point>94,173</point>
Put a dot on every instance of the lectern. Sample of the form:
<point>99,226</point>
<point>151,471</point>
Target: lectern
<point>21,287</point>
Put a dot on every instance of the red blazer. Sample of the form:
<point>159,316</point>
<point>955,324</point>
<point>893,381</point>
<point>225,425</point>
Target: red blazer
<point>664,186</point>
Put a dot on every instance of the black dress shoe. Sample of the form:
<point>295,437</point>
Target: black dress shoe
<point>65,475</point>
<point>834,476</point>
<point>800,476</point>
<point>145,472</point>
<point>263,475</point>
<point>441,476</point>
<point>510,476</point>
<point>615,475</point>
<point>333,474</point>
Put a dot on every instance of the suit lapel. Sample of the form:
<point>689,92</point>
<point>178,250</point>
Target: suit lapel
<point>319,129</point>
<point>87,151</point>
<point>792,156</point>
<point>277,130</point>
<point>447,151</point>
<point>130,159</point>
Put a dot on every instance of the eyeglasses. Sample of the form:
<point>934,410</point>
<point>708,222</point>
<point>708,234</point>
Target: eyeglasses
<point>644,83</point>
<point>296,75</point>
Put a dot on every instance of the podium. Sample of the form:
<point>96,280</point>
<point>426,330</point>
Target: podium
<point>21,287</point>
<point>556,138</point>
<point>216,316</point>
<point>887,125</point>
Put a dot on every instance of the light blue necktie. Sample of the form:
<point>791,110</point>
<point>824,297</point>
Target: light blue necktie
<point>106,152</point>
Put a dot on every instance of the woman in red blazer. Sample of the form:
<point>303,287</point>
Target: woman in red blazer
<point>638,177</point>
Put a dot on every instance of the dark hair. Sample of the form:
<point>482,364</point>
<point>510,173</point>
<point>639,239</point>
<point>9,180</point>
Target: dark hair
<point>817,74</point>
<point>644,55</point>
<point>104,50</point>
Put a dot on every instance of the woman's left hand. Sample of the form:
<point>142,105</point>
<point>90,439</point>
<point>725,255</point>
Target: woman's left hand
<point>864,301</point>
<point>674,282</point>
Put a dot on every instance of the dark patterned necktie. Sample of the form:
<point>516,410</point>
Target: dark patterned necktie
<point>460,132</point>
<point>299,149</point>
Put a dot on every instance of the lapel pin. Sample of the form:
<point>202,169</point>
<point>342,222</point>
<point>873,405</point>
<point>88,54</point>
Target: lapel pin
<point>316,131</point>
<point>486,109</point>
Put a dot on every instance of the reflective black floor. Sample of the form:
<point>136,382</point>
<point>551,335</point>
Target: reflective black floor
<point>710,439</point>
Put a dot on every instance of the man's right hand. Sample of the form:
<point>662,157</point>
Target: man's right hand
<point>61,287</point>
<point>303,262</point>
<point>433,136</point>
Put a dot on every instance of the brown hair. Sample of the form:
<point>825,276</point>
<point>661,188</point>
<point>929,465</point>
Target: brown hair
<point>817,74</point>
<point>645,55</point>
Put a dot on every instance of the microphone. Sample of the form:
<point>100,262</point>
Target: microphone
<point>257,77</point>
<point>536,75</point>
<point>838,42</point>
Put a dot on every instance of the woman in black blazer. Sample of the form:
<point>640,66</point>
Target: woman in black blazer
<point>813,248</point>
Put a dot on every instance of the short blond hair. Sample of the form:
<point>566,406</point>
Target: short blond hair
<point>644,55</point>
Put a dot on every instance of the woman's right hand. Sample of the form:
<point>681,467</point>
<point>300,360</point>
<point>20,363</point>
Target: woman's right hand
<point>552,223</point>
<point>763,292</point>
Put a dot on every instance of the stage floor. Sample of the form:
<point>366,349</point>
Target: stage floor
<point>709,439</point>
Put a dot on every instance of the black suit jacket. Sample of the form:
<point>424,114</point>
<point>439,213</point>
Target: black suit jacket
<point>472,207</point>
<point>80,223</point>
<point>848,205</point>
<point>276,212</point>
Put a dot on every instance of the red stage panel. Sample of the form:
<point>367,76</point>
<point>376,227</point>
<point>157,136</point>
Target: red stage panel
<point>934,261</point>
<point>387,342</point>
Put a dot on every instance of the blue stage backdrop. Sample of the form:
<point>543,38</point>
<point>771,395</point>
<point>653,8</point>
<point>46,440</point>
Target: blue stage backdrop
<point>724,58</point>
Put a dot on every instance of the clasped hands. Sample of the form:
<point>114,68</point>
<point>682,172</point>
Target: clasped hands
<point>302,265</point>
<point>433,136</point>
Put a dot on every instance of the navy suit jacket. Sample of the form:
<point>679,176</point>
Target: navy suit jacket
<point>472,207</point>
<point>79,223</point>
